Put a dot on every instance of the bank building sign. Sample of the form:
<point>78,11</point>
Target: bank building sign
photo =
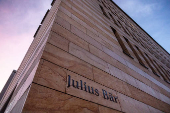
<point>88,88</point>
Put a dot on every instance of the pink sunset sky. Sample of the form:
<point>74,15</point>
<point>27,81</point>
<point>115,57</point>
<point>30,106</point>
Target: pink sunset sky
<point>19,20</point>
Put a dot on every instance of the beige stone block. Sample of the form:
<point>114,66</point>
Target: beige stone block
<point>77,32</point>
<point>140,95</point>
<point>92,34</point>
<point>78,20</point>
<point>156,87</point>
<point>66,60</point>
<point>110,81</point>
<point>65,2</point>
<point>148,89</point>
<point>52,76</point>
<point>114,55</point>
<point>153,110</point>
<point>148,99</point>
<point>111,40</point>
<point>130,105</point>
<point>71,21</point>
<point>109,46</point>
<point>78,13</point>
<point>38,70</point>
<point>164,98</point>
<point>117,64</point>
<point>85,37</point>
<point>129,79</point>
<point>61,8</point>
<point>99,53</point>
<point>91,29</point>
<point>63,23</point>
<point>139,77</point>
<point>144,80</point>
<point>44,100</point>
<point>64,15</point>
<point>156,93</point>
<point>116,72</point>
<point>93,42</point>
<point>59,41</point>
<point>70,36</point>
<point>91,91</point>
<point>142,86</point>
<point>103,109</point>
<point>97,38</point>
<point>161,90</point>
<point>121,66</point>
<point>113,43</point>
<point>88,57</point>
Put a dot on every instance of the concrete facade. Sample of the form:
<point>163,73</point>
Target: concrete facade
<point>89,56</point>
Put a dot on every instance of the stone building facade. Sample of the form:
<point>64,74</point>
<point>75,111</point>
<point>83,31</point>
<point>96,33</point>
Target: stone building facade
<point>89,56</point>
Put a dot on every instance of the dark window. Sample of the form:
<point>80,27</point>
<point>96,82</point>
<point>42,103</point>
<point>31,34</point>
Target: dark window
<point>104,4</point>
<point>150,65</point>
<point>105,14</point>
<point>125,50</point>
<point>135,38</point>
<point>136,54</point>
<point>113,11</point>
<point>150,50</point>
<point>114,20</point>
<point>161,72</point>
<point>125,30</point>
<point>129,33</point>
<point>143,46</point>
<point>153,65</point>
<point>143,57</point>
<point>166,73</point>
<point>126,23</point>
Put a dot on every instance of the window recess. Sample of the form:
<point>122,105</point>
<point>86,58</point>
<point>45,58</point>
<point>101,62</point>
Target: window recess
<point>162,72</point>
<point>125,50</point>
<point>142,56</point>
<point>104,12</point>
<point>129,32</point>
<point>153,65</point>
<point>124,29</point>
<point>114,21</point>
<point>135,53</point>
<point>166,73</point>
<point>104,4</point>
<point>135,39</point>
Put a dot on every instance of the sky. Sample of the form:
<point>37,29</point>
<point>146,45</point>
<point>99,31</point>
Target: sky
<point>20,19</point>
